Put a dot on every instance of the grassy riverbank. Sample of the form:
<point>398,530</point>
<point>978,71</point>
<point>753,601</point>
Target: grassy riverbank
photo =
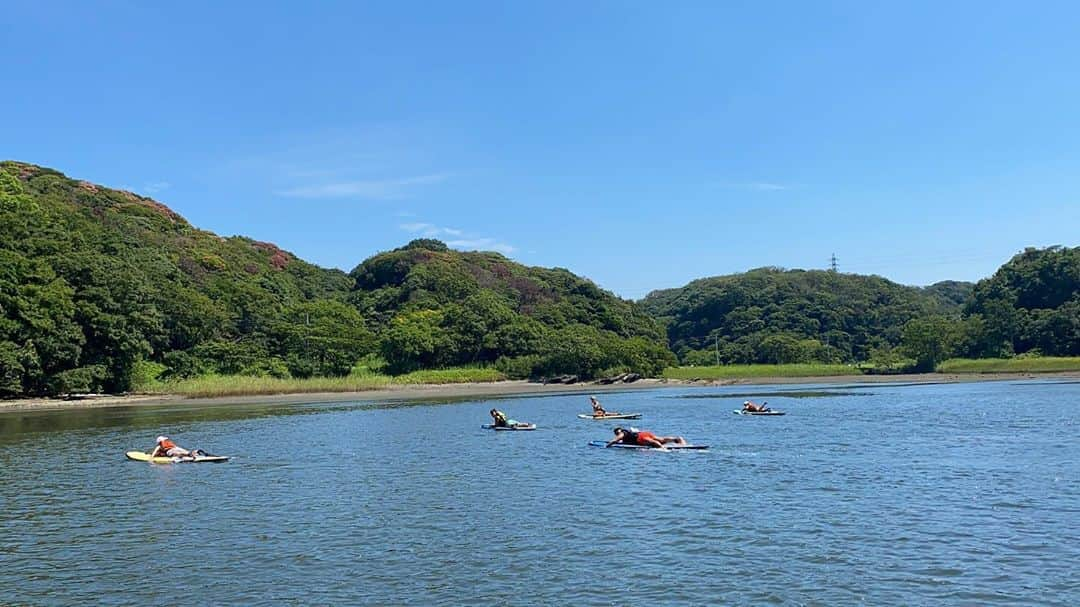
<point>1041,364</point>
<point>759,371</point>
<point>211,386</point>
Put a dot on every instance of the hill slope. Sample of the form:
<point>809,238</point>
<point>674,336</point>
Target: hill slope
<point>95,280</point>
<point>100,286</point>
<point>769,315</point>
<point>1032,303</point>
<point>445,307</point>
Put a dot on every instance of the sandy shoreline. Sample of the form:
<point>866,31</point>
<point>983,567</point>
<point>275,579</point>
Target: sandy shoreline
<point>495,389</point>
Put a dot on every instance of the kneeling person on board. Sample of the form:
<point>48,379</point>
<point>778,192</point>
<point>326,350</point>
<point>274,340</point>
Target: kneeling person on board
<point>597,410</point>
<point>501,421</point>
<point>643,438</point>
<point>754,408</point>
<point>166,448</point>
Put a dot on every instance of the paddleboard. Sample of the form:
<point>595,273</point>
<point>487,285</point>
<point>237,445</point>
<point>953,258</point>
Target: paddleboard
<point>509,428</point>
<point>741,412</point>
<point>611,416</point>
<point>139,456</point>
<point>600,443</point>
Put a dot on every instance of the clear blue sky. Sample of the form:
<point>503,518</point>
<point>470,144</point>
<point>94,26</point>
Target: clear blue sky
<point>641,144</point>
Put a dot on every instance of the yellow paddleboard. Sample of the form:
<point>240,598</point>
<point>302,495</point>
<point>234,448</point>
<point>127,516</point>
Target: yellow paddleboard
<point>139,456</point>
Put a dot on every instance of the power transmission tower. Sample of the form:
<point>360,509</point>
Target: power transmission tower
<point>832,263</point>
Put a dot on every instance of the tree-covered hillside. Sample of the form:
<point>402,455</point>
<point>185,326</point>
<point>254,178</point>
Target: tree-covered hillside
<point>94,281</point>
<point>1031,304</point>
<point>99,287</point>
<point>770,315</point>
<point>436,307</point>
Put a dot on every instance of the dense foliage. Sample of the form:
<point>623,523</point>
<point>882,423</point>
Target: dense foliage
<point>102,288</point>
<point>95,283</point>
<point>99,287</point>
<point>437,307</point>
<point>1030,305</point>
<point>775,316</point>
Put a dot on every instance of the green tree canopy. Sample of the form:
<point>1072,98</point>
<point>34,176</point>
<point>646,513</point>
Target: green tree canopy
<point>771,315</point>
<point>1032,303</point>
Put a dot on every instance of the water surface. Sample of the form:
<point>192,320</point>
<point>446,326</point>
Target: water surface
<point>954,494</point>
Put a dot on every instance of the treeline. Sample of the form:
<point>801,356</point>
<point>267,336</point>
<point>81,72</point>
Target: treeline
<point>101,289</point>
<point>776,316</point>
<point>98,286</point>
<point>434,307</point>
<point>1029,307</point>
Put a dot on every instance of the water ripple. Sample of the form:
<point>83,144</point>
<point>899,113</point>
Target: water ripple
<point>867,499</point>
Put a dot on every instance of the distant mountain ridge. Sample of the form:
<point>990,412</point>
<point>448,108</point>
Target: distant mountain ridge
<point>773,315</point>
<point>446,307</point>
<point>101,287</point>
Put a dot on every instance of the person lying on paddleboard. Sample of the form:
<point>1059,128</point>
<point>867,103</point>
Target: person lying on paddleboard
<point>755,408</point>
<point>597,410</point>
<point>501,421</point>
<point>643,438</point>
<point>166,448</point>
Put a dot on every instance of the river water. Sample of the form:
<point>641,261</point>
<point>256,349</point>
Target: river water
<point>958,494</point>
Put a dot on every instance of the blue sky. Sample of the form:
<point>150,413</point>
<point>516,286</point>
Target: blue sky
<point>638,144</point>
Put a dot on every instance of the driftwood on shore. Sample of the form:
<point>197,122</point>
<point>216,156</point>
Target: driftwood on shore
<point>625,378</point>
<point>560,379</point>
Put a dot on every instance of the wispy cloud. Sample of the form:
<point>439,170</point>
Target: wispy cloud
<point>371,189</point>
<point>155,187</point>
<point>486,244</point>
<point>764,186</point>
<point>756,186</point>
<point>430,230</point>
<point>459,239</point>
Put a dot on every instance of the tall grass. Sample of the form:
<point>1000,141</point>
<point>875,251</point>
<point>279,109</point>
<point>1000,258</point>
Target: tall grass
<point>1040,364</point>
<point>744,371</point>
<point>459,375</point>
<point>209,386</point>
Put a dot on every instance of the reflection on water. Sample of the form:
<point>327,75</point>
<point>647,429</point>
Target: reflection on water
<point>23,423</point>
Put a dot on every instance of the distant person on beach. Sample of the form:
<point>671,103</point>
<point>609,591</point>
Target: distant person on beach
<point>643,438</point>
<point>755,408</point>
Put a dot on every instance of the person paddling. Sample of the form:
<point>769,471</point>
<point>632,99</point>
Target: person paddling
<point>755,408</point>
<point>643,438</point>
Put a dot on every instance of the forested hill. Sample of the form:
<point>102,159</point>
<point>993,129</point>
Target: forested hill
<point>443,307</point>
<point>100,287</point>
<point>1030,305</point>
<point>769,315</point>
<point>94,280</point>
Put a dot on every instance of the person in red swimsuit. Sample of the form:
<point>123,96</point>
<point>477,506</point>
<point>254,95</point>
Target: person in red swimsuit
<point>166,448</point>
<point>643,438</point>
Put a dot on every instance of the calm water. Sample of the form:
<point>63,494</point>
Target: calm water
<point>906,495</point>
